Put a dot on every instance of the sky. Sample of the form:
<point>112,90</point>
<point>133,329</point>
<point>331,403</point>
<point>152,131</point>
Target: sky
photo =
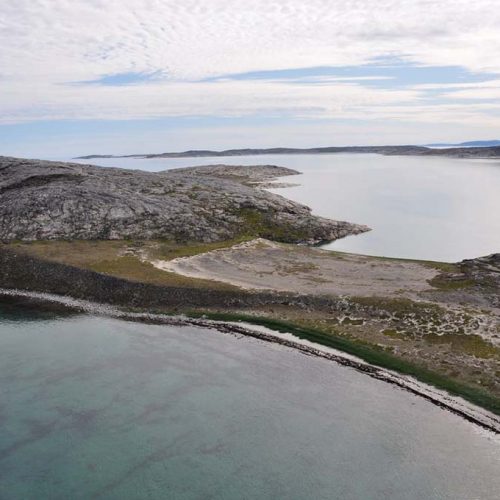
<point>135,76</point>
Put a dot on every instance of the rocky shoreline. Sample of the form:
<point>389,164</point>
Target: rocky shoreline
<point>465,410</point>
<point>407,329</point>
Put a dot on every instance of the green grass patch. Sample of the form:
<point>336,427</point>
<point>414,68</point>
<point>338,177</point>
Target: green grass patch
<point>394,334</point>
<point>120,258</point>
<point>442,282</point>
<point>168,250</point>
<point>131,268</point>
<point>398,306</point>
<point>259,224</point>
<point>471,344</point>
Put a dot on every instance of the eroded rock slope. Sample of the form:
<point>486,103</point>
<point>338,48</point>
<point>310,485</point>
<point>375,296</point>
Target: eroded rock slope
<point>53,200</point>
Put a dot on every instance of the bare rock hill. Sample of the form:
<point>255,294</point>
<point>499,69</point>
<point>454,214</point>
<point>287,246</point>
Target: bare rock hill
<point>53,200</point>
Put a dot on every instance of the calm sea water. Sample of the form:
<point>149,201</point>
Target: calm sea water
<point>424,208</point>
<point>99,408</point>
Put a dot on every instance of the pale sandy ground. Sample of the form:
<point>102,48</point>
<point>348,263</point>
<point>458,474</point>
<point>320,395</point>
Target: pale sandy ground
<point>262,264</point>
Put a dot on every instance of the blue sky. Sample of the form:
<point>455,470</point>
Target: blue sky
<point>148,76</point>
<point>382,72</point>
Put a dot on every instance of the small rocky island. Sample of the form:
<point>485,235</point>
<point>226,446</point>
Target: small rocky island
<point>41,200</point>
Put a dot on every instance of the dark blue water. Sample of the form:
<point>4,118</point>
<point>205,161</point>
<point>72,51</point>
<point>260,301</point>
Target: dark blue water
<point>100,408</point>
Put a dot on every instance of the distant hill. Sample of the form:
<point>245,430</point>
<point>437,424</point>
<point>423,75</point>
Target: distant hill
<point>470,144</point>
<point>437,150</point>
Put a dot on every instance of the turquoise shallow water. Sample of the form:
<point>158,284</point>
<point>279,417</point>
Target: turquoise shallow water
<point>92,407</point>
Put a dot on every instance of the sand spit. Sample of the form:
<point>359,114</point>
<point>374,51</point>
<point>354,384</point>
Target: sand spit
<point>456,405</point>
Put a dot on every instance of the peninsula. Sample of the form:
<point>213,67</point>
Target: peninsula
<point>211,242</point>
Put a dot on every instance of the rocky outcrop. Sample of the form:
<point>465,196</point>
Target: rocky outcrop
<point>485,273</point>
<point>489,265</point>
<point>52,200</point>
<point>249,175</point>
<point>471,281</point>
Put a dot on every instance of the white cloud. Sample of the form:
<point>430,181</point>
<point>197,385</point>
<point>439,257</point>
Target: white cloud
<point>225,98</point>
<point>453,86</point>
<point>231,98</point>
<point>77,39</point>
<point>47,43</point>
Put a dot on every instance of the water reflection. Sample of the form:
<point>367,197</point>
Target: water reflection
<point>99,408</point>
<point>424,208</point>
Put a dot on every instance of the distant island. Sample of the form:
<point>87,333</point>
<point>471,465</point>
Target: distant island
<point>470,151</point>
<point>472,144</point>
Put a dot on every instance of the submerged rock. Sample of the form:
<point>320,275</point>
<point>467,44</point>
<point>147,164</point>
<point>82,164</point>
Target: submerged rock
<point>54,200</point>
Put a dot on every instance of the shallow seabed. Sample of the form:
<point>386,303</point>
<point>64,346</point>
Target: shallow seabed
<point>92,407</point>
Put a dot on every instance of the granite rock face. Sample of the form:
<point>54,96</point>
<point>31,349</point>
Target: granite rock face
<point>485,272</point>
<point>41,200</point>
<point>489,264</point>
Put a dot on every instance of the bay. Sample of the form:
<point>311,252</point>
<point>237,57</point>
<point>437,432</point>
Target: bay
<point>93,407</point>
<point>429,208</point>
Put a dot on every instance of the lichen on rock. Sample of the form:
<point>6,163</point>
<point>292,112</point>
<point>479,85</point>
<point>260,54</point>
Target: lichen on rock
<point>41,200</point>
